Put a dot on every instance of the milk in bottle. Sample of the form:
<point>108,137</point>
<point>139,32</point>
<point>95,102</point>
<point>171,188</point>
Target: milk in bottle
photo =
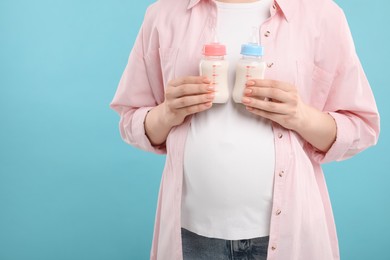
<point>215,67</point>
<point>250,66</point>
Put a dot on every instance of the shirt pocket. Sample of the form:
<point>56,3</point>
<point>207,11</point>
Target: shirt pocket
<point>313,84</point>
<point>168,58</point>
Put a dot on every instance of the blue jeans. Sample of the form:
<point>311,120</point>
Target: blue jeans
<point>196,247</point>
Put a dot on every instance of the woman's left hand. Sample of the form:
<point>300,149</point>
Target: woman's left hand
<point>276,100</point>
<point>280,102</point>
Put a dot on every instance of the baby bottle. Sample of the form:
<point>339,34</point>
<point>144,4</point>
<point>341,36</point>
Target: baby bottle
<point>215,67</point>
<point>250,66</point>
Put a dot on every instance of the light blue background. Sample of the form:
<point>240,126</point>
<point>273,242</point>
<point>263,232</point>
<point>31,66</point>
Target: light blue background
<point>71,189</point>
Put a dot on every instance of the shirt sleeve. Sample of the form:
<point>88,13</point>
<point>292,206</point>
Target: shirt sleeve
<point>139,90</point>
<point>350,100</point>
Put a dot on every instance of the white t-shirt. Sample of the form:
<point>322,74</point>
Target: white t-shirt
<point>229,156</point>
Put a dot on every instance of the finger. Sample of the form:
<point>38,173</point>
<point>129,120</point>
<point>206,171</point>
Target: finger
<point>270,93</point>
<point>270,84</point>
<point>196,108</point>
<point>268,106</point>
<point>271,116</point>
<point>188,101</point>
<point>189,90</point>
<point>189,80</point>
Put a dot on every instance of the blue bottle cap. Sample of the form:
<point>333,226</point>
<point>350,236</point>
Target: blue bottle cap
<point>252,50</point>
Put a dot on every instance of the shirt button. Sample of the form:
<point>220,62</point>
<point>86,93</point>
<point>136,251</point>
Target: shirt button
<point>269,65</point>
<point>273,248</point>
<point>281,173</point>
<point>278,212</point>
<point>267,33</point>
<point>280,135</point>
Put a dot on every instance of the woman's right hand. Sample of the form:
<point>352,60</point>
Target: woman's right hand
<point>186,96</point>
<point>183,97</point>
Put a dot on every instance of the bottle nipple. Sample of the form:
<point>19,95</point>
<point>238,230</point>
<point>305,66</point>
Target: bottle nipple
<point>254,38</point>
<point>252,47</point>
<point>215,48</point>
<point>215,36</point>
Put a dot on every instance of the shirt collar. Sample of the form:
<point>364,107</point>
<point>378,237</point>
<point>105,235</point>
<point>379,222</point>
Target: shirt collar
<point>192,3</point>
<point>288,7</point>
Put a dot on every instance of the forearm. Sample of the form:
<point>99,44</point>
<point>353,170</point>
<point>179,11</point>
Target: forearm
<point>317,128</point>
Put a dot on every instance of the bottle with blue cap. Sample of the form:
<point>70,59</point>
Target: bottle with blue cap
<point>250,66</point>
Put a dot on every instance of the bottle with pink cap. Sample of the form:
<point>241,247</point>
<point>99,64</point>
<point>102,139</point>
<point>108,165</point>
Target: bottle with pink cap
<point>215,67</point>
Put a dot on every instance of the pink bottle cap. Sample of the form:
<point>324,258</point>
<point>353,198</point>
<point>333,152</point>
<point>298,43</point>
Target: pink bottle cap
<point>214,49</point>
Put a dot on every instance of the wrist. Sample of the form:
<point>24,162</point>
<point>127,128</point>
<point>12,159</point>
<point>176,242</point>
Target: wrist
<point>317,128</point>
<point>166,119</point>
<point>305,119</point>
<point>156,125</point>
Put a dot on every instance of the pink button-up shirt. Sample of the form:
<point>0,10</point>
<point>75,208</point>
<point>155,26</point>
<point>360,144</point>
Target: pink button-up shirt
<point>307,43</point>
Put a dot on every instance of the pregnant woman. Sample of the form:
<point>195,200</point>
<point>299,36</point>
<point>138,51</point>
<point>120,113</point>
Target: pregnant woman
<point>244,180</point>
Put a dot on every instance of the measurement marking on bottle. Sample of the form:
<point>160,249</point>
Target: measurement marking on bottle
<point>215,74</point>
<point>248,71</point>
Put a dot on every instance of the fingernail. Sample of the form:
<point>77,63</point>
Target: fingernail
<point>248,91</point>
<point>206,80</point>
<point>250,83</point>
<point>246,100</point>
<point>249,108</point>
<point>211,87</point>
